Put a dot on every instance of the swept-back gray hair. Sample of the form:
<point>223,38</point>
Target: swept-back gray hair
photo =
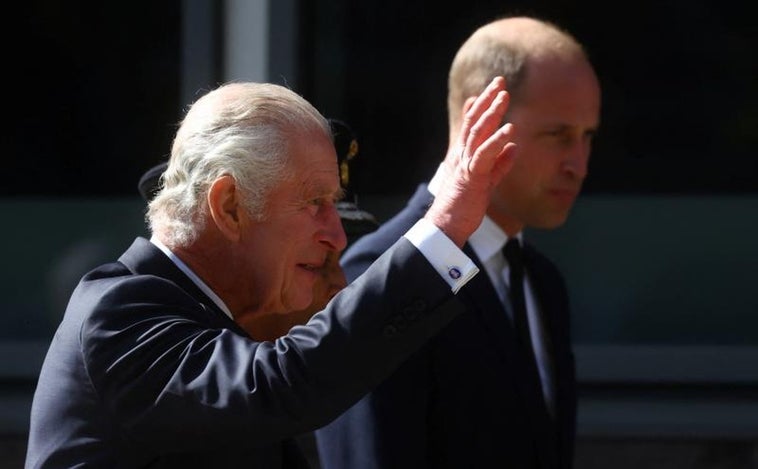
<point>239,129</point>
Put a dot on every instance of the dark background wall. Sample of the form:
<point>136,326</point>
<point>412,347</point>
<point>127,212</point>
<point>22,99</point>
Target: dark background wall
<point>91,95</point>
<point>680,106</point>
<point>93,89</point>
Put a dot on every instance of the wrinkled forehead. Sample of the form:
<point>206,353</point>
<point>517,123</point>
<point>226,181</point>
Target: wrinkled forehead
<point>311,152</point>
<point>312,169</point>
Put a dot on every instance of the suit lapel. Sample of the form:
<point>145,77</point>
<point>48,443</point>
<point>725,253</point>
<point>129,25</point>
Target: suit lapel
<point>420,202</point>
<point>544,293</point>
<point>550,290</point>
<point>484,302</point>
<point>480,295</point>
<point>548,304</point>
<point>542,289</point>
<point>144,258</point>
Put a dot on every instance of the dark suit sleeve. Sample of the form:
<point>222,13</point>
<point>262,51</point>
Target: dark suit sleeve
<point>387,428</point>
<point>173,384</point>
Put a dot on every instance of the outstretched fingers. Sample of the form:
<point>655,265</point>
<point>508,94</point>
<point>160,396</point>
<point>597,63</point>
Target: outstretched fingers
<point>495,156</point>
<point>484,116</point>
<point>486,146</point>
<point>485,153</point>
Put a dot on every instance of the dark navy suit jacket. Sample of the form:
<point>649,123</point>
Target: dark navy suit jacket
<point>146,371</point>
<point>460,401</point>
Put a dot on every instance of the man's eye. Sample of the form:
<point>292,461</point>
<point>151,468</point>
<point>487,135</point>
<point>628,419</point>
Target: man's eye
<point>561,137</point>
<point>556,133</point>
<point>326,200</point>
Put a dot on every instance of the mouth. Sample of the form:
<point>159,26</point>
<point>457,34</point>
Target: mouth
<point>313,267</point>
<point>565,195</point>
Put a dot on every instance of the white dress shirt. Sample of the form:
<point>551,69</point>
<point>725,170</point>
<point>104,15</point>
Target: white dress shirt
<point>487,242</point>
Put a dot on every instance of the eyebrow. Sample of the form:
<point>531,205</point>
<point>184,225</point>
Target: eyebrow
<point>310,192</point>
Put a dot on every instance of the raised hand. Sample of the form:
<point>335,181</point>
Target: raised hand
<point>484,154</point>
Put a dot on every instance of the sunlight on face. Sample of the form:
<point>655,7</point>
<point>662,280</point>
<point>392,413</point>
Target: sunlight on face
<point>286,250</point>
<point>556,117</point>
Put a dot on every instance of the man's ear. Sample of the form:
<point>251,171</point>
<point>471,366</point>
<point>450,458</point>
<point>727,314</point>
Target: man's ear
<point>225,206</point>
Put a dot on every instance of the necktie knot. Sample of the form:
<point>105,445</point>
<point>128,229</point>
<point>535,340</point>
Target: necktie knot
<point>514,255</point>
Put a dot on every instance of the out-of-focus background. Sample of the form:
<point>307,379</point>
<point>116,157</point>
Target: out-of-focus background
<point>659,253</point>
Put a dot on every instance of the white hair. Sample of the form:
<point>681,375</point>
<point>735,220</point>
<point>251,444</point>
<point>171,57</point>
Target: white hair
<point>238,129</point>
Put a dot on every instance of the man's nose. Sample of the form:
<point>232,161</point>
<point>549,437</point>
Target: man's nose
<point>333,234</point>
<point>577,160</point>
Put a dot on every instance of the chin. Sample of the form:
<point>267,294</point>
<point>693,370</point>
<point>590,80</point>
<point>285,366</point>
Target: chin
<point>550,223</point>
<point>298,304</point>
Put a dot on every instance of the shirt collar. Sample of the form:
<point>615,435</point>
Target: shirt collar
<point>195,279</point>
<point>488,240</point>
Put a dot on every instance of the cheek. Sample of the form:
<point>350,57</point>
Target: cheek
<point>265,263</point>
<point>520,179</point>
<point>536,172</point>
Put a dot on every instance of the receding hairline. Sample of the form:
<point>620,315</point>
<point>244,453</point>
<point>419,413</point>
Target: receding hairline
<point>510,43</point>
<point>533,36</point>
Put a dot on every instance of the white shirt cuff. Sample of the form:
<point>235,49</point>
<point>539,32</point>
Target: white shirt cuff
<point>447,259</point>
